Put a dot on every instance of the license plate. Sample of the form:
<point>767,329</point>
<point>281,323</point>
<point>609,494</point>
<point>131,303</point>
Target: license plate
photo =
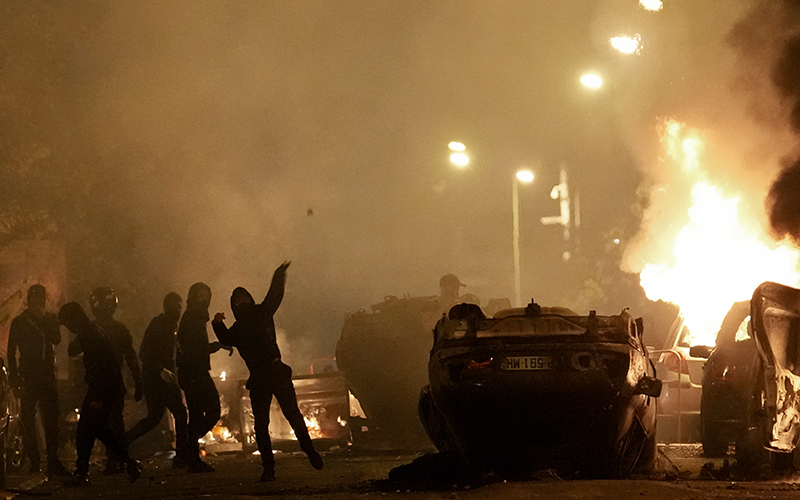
<point>528,363</point>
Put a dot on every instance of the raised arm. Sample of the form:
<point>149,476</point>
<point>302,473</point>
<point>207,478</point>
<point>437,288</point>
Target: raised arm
<point>275,294</point>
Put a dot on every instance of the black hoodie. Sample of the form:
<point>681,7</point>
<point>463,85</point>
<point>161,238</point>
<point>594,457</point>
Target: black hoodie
<point>103,374</point>
<point>253,332</point>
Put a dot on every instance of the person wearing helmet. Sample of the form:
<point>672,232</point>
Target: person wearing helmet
<point>34,333</point>
<point>103,302</point>
<point>104,397</point>
<point>161,390</point>
<point>253,334</point>
<point>194,362</point>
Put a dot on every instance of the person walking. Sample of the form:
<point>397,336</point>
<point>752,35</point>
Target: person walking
<point>104,397</point>
<point>194,362</point>
<point>161,390</point>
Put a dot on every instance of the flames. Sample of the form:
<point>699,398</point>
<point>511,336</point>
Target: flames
<point>314,429</point>
<point>718,257</point>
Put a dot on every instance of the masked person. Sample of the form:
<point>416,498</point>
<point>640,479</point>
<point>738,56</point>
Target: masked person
<point>104,397</point>
<point>161,390</point>
<point>103,302</point>
<point>34,333</point>
<point>194,363</point>
<point>253,334</point>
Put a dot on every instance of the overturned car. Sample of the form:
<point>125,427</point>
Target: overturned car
<point>542,387</point>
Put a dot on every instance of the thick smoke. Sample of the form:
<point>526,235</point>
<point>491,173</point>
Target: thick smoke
<point>783,202</point>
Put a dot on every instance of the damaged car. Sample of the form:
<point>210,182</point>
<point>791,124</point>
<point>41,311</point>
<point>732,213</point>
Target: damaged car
<point>542,387</point>
<point>773,405</point>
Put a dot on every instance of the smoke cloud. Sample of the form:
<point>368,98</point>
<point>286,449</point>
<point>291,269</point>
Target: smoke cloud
<point>783,202</point>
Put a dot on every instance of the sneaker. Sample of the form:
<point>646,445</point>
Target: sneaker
<point>316,460</point>
<point>198,467</point>
<point>267,476</point>
<point>134,470</point>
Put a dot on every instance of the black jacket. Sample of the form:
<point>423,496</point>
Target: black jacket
<point>121,341</point>
<point>158,346</point>
<point>253,332</point>
<point>35,338</point>
<point>193,346</point>
<point>103,375</point>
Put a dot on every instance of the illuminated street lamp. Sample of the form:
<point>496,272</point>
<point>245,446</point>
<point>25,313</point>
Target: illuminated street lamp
<point>525,176</point>
<point>592,81</point>
<point>458,155</point>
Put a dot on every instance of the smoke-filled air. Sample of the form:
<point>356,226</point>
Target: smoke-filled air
<point>164,143</point>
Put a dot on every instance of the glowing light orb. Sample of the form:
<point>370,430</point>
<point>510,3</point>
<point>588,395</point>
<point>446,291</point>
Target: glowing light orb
<point>525,175</point>
<point>456,146</point>
<point>459,159</point>
<point>592,81</point>
<point>651,5</point>
<point>627,44</point>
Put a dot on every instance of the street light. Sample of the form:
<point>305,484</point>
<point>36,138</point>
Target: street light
<point>592,81</point>
<point>458,156</point>
<point>525,176</point>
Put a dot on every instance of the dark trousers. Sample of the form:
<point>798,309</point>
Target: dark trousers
<point>277,382</point>
<point>42,391</point>
<point>96,423</point>
<point>202,401</point>
<point>160,396</point>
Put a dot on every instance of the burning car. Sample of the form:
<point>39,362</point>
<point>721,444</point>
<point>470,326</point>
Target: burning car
<point>773,405</point>
<point>542,386</point>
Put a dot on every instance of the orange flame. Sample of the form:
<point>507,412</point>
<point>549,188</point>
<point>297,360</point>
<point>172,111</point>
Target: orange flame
<point>718,258</point>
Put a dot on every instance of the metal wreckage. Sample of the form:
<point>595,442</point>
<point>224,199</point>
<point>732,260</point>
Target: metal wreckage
<point>542,387</point>
<point>773,406</point>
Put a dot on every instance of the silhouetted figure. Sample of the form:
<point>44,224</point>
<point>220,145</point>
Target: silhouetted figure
<point>449,286</point>
<point>104,398</point>
<point>253,334</point>
<point>161,389</point>
<point>34,333</point>
<point>193,361</point>
<point>103,302</point>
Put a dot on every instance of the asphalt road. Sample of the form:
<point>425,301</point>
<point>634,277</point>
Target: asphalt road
<point>363,474</point>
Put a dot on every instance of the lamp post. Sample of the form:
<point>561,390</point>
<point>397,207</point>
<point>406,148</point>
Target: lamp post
<point>525,176</point>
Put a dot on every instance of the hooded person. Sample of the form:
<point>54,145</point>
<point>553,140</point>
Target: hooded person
<point>34,333</point>
<point>104,397</point>
<point>161,388</point>
<point>253,334</point>
<point>194,362</point>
